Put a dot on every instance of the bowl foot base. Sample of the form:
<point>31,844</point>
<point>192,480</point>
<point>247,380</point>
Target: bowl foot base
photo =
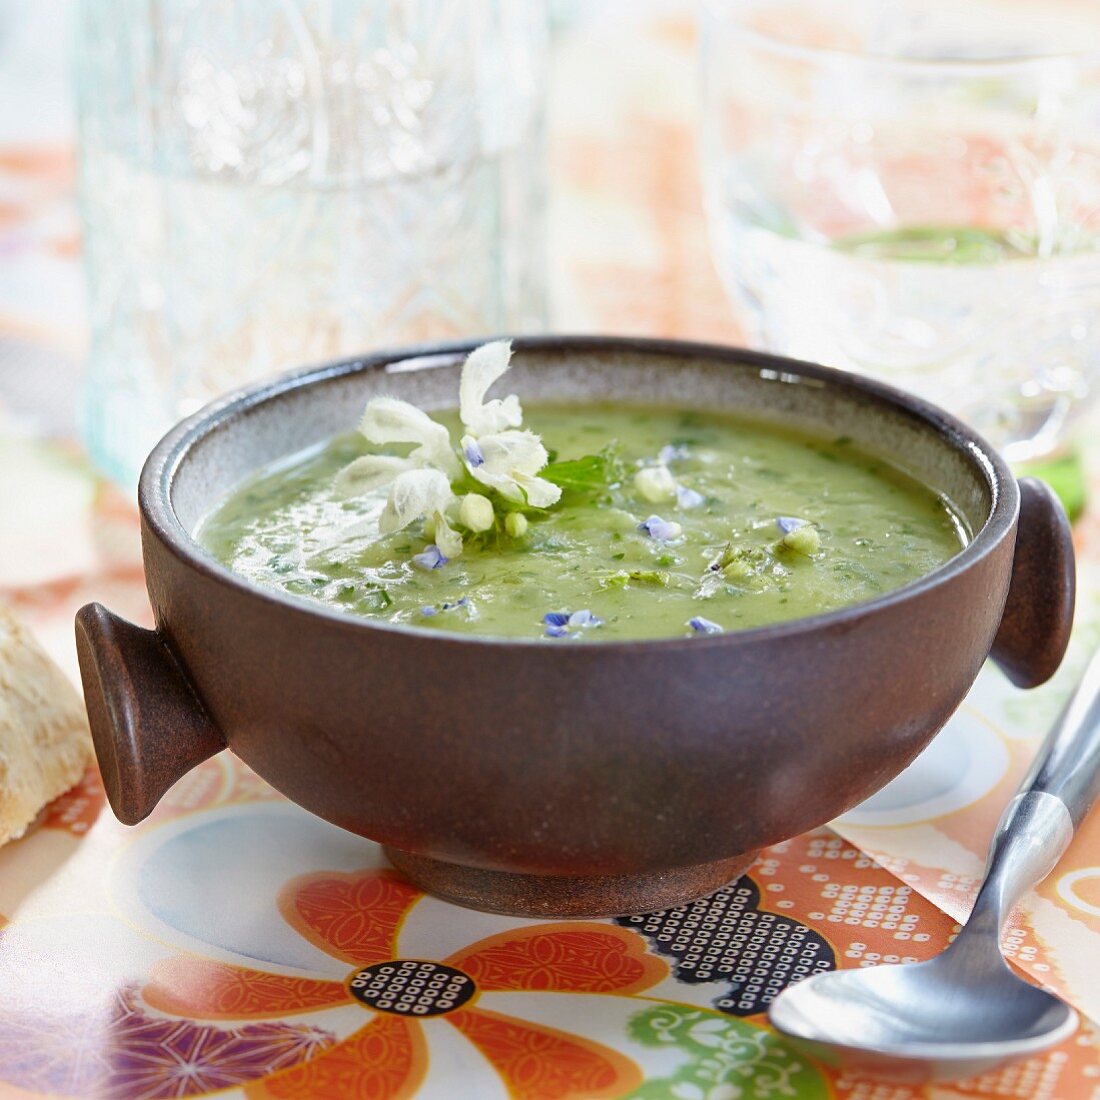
<point>566,896</point>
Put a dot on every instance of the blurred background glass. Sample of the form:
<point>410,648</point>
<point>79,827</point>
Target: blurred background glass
<point>912,190</point>
<point>266,183</point>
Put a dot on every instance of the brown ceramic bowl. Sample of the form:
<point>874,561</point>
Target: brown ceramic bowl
<point>539,779</point>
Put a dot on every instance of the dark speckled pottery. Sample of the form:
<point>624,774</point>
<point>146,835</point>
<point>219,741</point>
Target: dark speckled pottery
<point>548,780</point>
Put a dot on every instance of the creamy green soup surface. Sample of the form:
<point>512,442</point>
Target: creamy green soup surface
<point>773,525</point>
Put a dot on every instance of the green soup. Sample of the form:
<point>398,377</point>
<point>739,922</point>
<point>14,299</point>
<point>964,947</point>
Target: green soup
<point>774,525</point>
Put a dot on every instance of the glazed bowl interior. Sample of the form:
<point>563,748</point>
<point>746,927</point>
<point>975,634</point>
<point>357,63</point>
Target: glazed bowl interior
<point>273,422</point>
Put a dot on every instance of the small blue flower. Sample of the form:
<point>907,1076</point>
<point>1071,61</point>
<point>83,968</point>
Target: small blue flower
<point>458,603</point>
<point>428,610</point>
<point>661,530</point>
<point>787,524</point>
<point>688,498</point>
<point>584,617</point>
<point>431,558</point>
<point>473,453</point>
<point>559,622</point>
<point>704,626</point>
<point>673,452</point>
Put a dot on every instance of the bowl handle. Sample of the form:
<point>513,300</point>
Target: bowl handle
<point>1038,614</point>
<point>148,725</point>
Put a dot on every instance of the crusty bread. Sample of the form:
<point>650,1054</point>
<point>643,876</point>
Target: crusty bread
<point>45,746</point>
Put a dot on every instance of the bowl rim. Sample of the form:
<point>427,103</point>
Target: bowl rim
<point>170,454</point>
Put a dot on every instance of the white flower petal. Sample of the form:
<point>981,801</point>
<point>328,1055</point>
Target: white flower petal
<point>511,451</point>
<point>498,414</point>
<point>390,420</point>
<point>540,493</point>
<point>368,473</point>
<point>510,461</point>
<point>483,366</point>
<point>414,494</point>
<point>504,484</point>
<point>446,538</point>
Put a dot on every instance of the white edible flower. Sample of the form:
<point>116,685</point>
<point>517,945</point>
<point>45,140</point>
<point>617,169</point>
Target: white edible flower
<point>493,451</point>
<point>414,495</point>
<point>420,483</point>
<point>390,420</point>
<point>422,494</point>
<point>446,538</point>
<point>655,483</point>
<point>483,366</point>
<point>509,463</point>
<point>496,454</point>
<point>476,512</point>
<point>368,473</point>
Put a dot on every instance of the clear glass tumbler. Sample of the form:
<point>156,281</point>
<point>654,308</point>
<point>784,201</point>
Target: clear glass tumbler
<point>267,183</point>
<point>912,190</point>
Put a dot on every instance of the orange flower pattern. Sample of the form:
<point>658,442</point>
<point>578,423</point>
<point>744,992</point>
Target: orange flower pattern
<point>357,918</point>
<point>385,1060</point>
<point>538,1061</point>
<point>569,960</point>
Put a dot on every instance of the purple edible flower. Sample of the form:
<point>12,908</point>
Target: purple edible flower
<point>427,609</point>
<point>688,498</point>
<point>662,530</point>
<point>584,617</point>
<point>458,603</point>
<point>704,626</point>
<point>431,558</point>
<point>559,622</point>
<point>473,454</point>
<point>672,452</point>
<point>787,524</point>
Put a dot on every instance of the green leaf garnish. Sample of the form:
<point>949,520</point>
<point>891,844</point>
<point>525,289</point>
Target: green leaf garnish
<point>372,596</point>
<point>589,475</point>
<point>622,577</point>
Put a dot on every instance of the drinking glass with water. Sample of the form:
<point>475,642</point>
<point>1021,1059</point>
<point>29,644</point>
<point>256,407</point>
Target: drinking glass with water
<point>268,184</point>
<point>912,190</point>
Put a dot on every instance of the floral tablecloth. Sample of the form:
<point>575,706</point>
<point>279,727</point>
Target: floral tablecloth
<point>235,944</point>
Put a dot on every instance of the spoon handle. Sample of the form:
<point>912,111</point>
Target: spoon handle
<point>1068,764</point>
<point>1038,824</point>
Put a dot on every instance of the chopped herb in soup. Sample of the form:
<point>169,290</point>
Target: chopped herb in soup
<point>612,522</point>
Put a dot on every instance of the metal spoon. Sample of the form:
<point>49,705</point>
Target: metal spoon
<point>965,1012</point>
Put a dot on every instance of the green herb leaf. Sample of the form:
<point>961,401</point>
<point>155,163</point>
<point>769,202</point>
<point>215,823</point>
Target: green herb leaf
<point>589,475</point>
<point>371,596</point>
<point>622,577</point>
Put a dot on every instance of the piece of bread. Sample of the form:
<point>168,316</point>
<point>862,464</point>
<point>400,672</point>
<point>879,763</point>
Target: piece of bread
<point>45,745</point>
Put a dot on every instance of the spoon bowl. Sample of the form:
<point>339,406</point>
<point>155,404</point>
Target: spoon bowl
<point>966,1012</point>
<point>955,1016</point>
